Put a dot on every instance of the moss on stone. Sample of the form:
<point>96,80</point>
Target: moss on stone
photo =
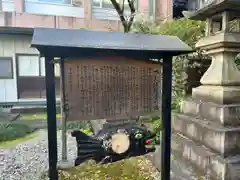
<point>137,168</point>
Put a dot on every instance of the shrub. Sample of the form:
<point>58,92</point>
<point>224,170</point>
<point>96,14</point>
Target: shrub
<point>156,126</point>
<point>77,125</point>
<point>187,30</point>
<point>11,131</point>
<point>87,131</point>
<point>84,126</point>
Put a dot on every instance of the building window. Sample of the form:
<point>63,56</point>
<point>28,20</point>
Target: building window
<point>6,68</point>
<point>42,68</point>
<point>56,1</point>
<point>31,76</point>
<point>108,3</point>
<point>28,65</point>
<point>97,3</point>
<point>151,9</point>
<point>103,4</point>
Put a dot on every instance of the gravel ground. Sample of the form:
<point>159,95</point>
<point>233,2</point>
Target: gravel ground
<point>29,159</point>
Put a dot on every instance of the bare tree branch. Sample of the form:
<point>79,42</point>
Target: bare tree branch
<point>133,10</point>
<point>123,5</point>
<point>131,4</point>
<point>126,22</point>
<point>119,10</point>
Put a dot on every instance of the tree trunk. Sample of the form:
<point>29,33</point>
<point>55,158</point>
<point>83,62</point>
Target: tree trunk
<point>127,24</point>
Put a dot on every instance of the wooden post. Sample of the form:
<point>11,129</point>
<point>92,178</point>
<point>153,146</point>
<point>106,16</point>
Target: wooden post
<point>51,118</point>
<point>63,108</point>
<point>166,118</point>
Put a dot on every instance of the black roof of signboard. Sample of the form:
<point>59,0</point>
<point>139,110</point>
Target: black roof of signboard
<point>16,31</point>
<point>80,43</point>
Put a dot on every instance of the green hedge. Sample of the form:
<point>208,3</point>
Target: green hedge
<point>84,126</point>
<point>157,127</point>
<point>78,125</point>
<point>188,31</point>
<point>11,131</point>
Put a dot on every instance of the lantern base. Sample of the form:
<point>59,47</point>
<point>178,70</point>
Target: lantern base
<point>205,135</point>
<point>221,95</point>
<point>179,168</point>
<point>203,161</point>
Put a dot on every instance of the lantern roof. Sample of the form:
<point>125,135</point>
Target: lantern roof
<point>213,7</point>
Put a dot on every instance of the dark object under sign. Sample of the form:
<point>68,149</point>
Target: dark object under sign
<point>100,147</point>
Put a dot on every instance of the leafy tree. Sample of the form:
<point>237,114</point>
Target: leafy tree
<point>126,20</point>
<point>188,31</point>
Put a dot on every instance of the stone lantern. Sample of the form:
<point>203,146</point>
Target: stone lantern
<point>207,131</point>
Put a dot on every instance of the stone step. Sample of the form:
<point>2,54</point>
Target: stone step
<point>222,114</point>
<point>204,161</point>
<point>179,169</point>
<point>220,139</point>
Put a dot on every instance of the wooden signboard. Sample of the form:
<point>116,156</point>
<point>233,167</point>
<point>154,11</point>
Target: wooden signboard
<point>110,88</point>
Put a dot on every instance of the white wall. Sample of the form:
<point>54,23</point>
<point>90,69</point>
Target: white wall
<point>10,45</point>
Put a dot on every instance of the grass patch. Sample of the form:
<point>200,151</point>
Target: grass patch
<point>12,143</point>
<point>87,131</point>
<point>12,131</point>
<point>77,125</point>
<point>136,168</point>
<point>38,116</point>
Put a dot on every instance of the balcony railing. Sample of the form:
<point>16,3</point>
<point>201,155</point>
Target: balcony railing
<point>198,4</point>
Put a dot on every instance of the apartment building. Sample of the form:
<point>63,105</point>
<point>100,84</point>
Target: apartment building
<point>92,14</point>
<point>22,73</point>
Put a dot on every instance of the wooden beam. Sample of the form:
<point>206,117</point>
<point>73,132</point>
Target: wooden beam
<point>63,111</point>
<point>166,118</point>
<point>51,118</point>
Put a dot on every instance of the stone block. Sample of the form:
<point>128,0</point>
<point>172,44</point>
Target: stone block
<point>222,114</point>
<point>222,140</point>
<point>97,125</point>
<point>204,161</point>
<point>179,169</point>
<point>64,165</point>
<point>157,158</point>
<point>217,94</point>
